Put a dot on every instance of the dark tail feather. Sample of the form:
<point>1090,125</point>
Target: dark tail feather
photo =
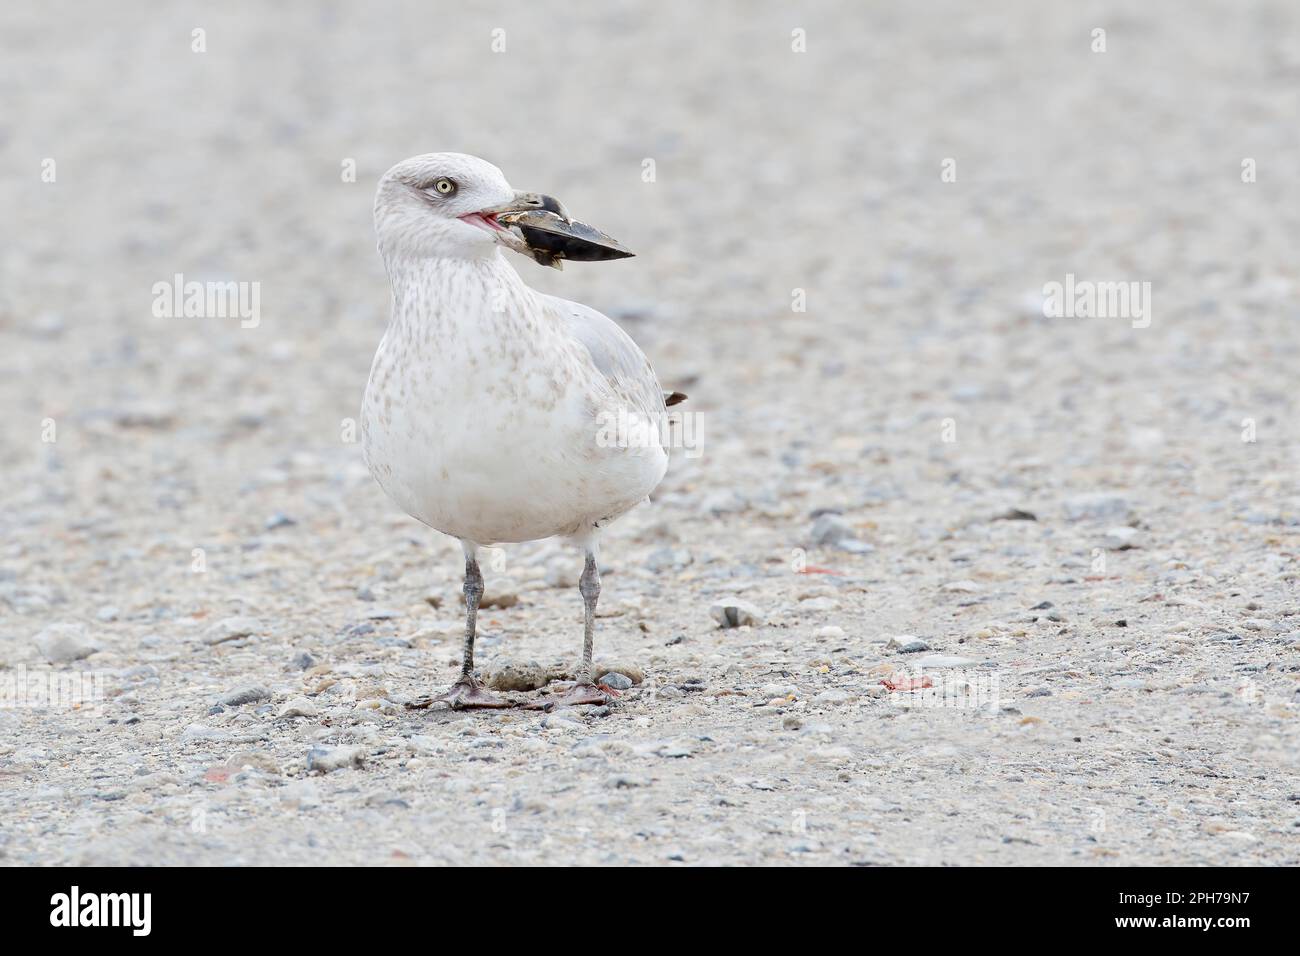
<point>674,398</point>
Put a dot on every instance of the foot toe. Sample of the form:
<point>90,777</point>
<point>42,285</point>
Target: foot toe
<point>470,696</point>
<point>582,694</point>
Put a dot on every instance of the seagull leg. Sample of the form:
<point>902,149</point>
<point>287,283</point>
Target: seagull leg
<point>467,692</point>
<point>585,691</point>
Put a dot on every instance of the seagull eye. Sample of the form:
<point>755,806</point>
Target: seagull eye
<point>444,187</point>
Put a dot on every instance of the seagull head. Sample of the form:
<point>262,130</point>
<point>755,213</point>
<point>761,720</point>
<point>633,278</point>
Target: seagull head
<point>452,205</point>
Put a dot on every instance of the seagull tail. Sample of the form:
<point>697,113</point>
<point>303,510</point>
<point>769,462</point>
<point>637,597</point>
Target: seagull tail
<point>673,398</point>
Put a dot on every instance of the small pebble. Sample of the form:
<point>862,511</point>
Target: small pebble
<point>327,759</point>
<point>507,675</point>
<point>232,628</point>
<point>298,707</point>
<point>1097,506</point>
<point>830,530</point>
<point>65,643</point>
<point>736,613</point>
<point>246,695</point>
<point>907,644</point>
<point>616,681</point>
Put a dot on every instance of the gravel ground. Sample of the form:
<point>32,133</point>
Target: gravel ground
<point>1081,531</point>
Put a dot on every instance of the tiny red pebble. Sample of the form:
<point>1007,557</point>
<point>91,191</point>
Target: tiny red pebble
<point>217,775</point>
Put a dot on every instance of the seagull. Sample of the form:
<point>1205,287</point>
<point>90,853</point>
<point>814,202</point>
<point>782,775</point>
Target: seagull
<point>495,413</point>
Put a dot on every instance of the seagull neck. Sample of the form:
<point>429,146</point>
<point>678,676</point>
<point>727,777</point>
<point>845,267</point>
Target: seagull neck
<point>466,285</point>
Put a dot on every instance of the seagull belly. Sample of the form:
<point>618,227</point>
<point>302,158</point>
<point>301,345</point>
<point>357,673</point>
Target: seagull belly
<point>485,441</point>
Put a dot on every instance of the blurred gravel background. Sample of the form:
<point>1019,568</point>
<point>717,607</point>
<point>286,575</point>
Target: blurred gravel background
<point>899,434</point>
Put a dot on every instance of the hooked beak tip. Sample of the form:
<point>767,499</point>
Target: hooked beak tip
<point>532,202</point>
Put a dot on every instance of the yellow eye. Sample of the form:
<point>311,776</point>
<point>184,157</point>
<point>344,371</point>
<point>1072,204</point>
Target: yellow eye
<point>444,187</point>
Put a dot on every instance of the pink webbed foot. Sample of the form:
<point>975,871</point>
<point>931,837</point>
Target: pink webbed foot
<point>465,695</point>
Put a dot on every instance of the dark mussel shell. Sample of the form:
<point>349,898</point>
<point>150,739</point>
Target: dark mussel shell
<point>550,237</point>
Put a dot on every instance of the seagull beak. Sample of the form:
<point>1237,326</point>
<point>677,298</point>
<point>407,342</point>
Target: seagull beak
<point>538,226</point>
<point>530,202</point>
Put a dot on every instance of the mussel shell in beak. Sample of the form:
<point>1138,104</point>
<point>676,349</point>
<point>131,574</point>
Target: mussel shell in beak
<point>550,237</point>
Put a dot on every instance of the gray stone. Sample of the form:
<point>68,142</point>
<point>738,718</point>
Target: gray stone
<point>1015,514</point>
<point>197,732</point>
<point>830,530</point>
<point>253,694</point>
<point>907,644</point>
<point>623,781</point>
<point>298,707</point>
<point>328,759</point>
<point>232,629</point>
<point>631,671</point>
<point>517,675</point>
<point>1097,506</point>
<point>674,750</point>
<point>732,612</point>
<point>833,696</point>
<point>561,721</point>
<point>65,643</point>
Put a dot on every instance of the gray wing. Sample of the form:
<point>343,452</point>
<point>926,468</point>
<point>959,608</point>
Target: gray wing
<point>614,354</point>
